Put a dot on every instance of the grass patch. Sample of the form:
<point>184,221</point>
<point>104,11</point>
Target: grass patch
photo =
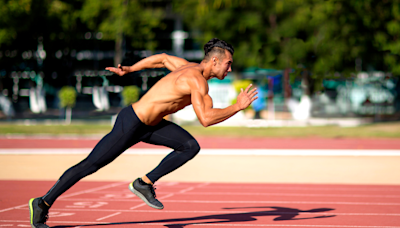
<point>380,130</point>
<point>365,131</point>
<point>78,129</point>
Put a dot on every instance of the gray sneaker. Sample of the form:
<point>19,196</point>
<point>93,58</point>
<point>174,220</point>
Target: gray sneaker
<point>38,213</point>
<point>145,192</point>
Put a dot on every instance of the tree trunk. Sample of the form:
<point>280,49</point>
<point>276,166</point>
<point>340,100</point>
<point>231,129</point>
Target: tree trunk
<point>305,83</point>
<point>68,114</point>
<point>287,91</point>
<point>118,49</point>
<point>119,39</point>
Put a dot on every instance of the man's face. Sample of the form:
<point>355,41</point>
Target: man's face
<point>223,66</point>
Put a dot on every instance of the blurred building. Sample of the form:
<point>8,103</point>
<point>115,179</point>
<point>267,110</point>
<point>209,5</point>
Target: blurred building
<point>32,71</point>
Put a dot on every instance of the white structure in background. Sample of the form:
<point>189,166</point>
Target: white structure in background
<point>300,110</point>
<point>370,93</point>
<point>37,100</point>
<point>6,106</point>
<point>222,95</point>
<point>100,98</point>
<point>37,97</point>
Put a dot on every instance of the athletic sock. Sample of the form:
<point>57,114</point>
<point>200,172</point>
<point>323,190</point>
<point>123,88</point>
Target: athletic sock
<point>142,182</point>
<point>45,203</point>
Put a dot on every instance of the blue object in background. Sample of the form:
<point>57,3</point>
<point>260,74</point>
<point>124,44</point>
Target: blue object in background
<point>261,102</point>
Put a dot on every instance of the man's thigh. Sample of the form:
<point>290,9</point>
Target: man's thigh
<point>169,134</point>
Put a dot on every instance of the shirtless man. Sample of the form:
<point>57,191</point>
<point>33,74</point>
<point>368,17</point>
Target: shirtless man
<point>143,121</point>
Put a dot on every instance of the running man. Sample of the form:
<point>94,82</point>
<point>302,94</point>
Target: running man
<point>143,121</point>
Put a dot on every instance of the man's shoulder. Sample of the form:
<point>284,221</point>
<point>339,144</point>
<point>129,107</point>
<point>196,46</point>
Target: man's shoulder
<point>191,71</point>
<point>194,79</point>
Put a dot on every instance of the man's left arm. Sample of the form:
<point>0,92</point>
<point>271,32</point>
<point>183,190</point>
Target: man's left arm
<point>203,106</point>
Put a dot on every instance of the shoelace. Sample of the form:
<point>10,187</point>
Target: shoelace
<point>45,216</point>
<point>152,189</point>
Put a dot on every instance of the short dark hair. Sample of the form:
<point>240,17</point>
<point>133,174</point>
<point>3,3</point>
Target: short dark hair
<point>216,46</point>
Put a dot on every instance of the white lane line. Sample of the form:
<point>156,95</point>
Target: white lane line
<point>290,194</point>
<point>167,191</point>
<point>73,194</point>
<point>249,202</point>
<point>203,185</point>
<point>185,190</point>
<point>142,204</point>
<point>108,216</point>
<point>273,152</point>
<point>357,188</point>
<point>12,208</point>
<point>94,189</point>
<point>283,202</point>
<point>227,212</point>
<point>224,224</point>
<point>137,206</point>
<point>169,195</point>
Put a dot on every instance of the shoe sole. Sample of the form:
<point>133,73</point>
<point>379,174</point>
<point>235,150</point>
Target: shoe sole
<point>141,196</point>
<point>31,211</point>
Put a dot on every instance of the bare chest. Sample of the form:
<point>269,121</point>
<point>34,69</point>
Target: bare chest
<point>179,103</point>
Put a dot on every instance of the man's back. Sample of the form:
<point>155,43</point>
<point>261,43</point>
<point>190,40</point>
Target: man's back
<point>170,94</point>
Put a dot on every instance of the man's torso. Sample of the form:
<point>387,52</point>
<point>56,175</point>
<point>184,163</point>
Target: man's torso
<point>169,95</point>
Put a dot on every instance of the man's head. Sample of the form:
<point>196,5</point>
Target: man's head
<point>220,54</point>
<point>216,46</point>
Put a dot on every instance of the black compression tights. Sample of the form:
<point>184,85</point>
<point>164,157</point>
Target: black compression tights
<point>129,130</point>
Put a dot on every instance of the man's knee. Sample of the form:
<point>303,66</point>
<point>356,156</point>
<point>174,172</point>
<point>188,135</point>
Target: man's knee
<point>191,148</point>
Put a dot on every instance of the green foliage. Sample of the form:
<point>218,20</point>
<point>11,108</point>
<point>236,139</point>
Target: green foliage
<point>69,20</point>
<point>318,37</point>
<point>323,37</point>
<point>135,19</point>
<point>130,94</point>
<point>12,13</point>
<point>67,96</point>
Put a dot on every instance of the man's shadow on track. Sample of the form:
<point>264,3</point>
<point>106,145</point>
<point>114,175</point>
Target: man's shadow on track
<point>282,213</point>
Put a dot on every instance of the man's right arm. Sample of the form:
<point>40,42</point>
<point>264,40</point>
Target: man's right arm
<point>154,61</point>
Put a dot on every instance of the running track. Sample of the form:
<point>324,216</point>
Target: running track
<point>215,142</point>
<point>111,204</point>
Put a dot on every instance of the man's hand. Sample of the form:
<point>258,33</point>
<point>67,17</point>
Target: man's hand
<point>120,70</point>
<point>246,97</point>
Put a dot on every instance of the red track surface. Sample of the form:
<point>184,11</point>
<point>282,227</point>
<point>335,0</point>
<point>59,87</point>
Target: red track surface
<point>219,143</point>
<point>111,204</point>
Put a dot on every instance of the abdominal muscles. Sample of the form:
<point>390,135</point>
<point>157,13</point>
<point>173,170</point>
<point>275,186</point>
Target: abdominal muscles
<point>152,111</point>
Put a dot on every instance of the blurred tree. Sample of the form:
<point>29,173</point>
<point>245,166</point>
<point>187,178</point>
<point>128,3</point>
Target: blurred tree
<point>61,29</point>
<point>316,38</point>
<point>130,94</point>
<point>116,18</point>
<point>240,22</point>
<point>67,96</point>
<point>12,12</point>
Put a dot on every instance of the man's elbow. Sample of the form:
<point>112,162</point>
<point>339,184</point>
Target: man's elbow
<point>205,123</point>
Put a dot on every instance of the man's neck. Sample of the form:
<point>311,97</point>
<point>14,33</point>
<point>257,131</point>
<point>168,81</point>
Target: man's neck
<point>205,70</point>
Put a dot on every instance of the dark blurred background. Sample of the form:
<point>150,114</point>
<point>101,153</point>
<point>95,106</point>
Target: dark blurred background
<point>309,59</point>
